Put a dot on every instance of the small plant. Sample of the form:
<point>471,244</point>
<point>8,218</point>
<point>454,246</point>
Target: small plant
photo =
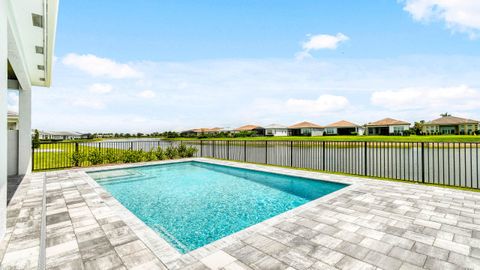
<point>131,156</point>
<point>160,154</point>
<point>79,158</point>
<point>150,155</point>
<point>95,157</point>
<point>190,151</point>
<point>171,152</point>
<point>110,156</point>
<point>182,150</point>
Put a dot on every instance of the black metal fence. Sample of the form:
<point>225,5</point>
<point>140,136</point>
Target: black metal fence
<point>453,164</point>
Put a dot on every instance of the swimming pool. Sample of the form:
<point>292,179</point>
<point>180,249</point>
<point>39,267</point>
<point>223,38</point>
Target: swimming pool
<point>191,204</point>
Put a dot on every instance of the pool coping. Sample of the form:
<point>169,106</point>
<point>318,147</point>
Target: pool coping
<point>170,255</point>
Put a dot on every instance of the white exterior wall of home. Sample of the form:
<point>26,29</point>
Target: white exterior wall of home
<point>12,160</point>
<point>312,131</point>
<point>27,33</point>
<point>276,131</point>
<point>317,132</point>
<point>3,116</point>
<point>398,128</point>
<point>334,131</point>
<point>24,131</point>
<point>331,131</point>
<point>450,129</point>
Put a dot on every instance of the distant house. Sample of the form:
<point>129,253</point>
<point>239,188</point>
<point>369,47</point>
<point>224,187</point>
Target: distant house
<point>387,126</point>
<point>104,135</point>
<point>12,119</point>
<point>343,128</point>
<point>276,130</point>
<point>450,125</point>
<point>258,129</point>
<point>200,131</point>
<point>61,135</point>
<point>305,129</point>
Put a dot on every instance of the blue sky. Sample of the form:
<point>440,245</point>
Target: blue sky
<point>160,65</point>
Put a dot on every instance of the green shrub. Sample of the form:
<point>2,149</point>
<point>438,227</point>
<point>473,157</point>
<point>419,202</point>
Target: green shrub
<point>190,151</point>
<point>171,152</point>
<point>95,157</point>
<point>131,156</point>
<point>182,150</point>
<point>112,156</point>
<point>150,155</point>
<point>159,153</point>
<point>79,158</point>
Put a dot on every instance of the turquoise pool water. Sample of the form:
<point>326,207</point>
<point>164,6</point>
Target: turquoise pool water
<point>191,204</point>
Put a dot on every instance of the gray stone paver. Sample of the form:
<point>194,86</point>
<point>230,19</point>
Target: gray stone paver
<point>369,225</point>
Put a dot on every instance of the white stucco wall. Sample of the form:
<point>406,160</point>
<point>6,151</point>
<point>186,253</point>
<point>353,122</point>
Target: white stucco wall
<point>391,129</point>
<point>276,132</point>
<point>25,129</point>
<point>3,116</point>
<point>12,152</point>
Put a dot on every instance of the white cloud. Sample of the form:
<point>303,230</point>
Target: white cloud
<point>100,67</point>
<point>147,94</point>
<point>456,98</point>
<point>320,42</point>
<point>89,103</point>
<point>100,88</point>
<point>458,15</point>
<point>323,104</point>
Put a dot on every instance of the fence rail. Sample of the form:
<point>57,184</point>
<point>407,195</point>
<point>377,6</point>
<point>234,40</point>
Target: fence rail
<point>453,164</point>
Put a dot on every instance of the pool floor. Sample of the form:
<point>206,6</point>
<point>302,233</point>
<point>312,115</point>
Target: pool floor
<point>191,204</point>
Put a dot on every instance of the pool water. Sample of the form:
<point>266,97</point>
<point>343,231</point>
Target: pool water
<point>191,204</point>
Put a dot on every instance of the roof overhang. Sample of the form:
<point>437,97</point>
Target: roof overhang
<point>31,39</point>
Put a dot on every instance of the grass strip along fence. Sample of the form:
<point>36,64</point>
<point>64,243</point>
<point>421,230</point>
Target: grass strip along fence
<point>444,163</point>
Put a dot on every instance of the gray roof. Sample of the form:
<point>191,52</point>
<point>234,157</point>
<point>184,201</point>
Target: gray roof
<point>61,133</point>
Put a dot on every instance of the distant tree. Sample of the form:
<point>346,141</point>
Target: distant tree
<point>445,114</point>
<point>36,139</point>
<point>139,134</point>
<point>417,127</point>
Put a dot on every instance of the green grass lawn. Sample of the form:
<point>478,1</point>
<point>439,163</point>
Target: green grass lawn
<point>413,138</point>
<point>55,155</point>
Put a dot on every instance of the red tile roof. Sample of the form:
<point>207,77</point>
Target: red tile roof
<point>304,124</point>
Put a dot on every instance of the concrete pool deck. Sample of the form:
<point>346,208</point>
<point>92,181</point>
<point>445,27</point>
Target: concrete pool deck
<point>65,220</point>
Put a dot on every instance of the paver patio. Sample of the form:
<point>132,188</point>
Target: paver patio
<point>64,220</point>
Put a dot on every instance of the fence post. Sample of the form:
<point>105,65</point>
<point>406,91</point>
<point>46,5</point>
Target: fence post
<point>201,148</point>
<point>245,151</point>
<point>423,162</point>
<point>131,145</point>
<point>266,152</point>
<point>228,150</point>
<point>291,153</point>
<point>365,158</point>
<point>324,156</point>
<point>213,149</point>
<point>33,156</point>
<point>76,152</point>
